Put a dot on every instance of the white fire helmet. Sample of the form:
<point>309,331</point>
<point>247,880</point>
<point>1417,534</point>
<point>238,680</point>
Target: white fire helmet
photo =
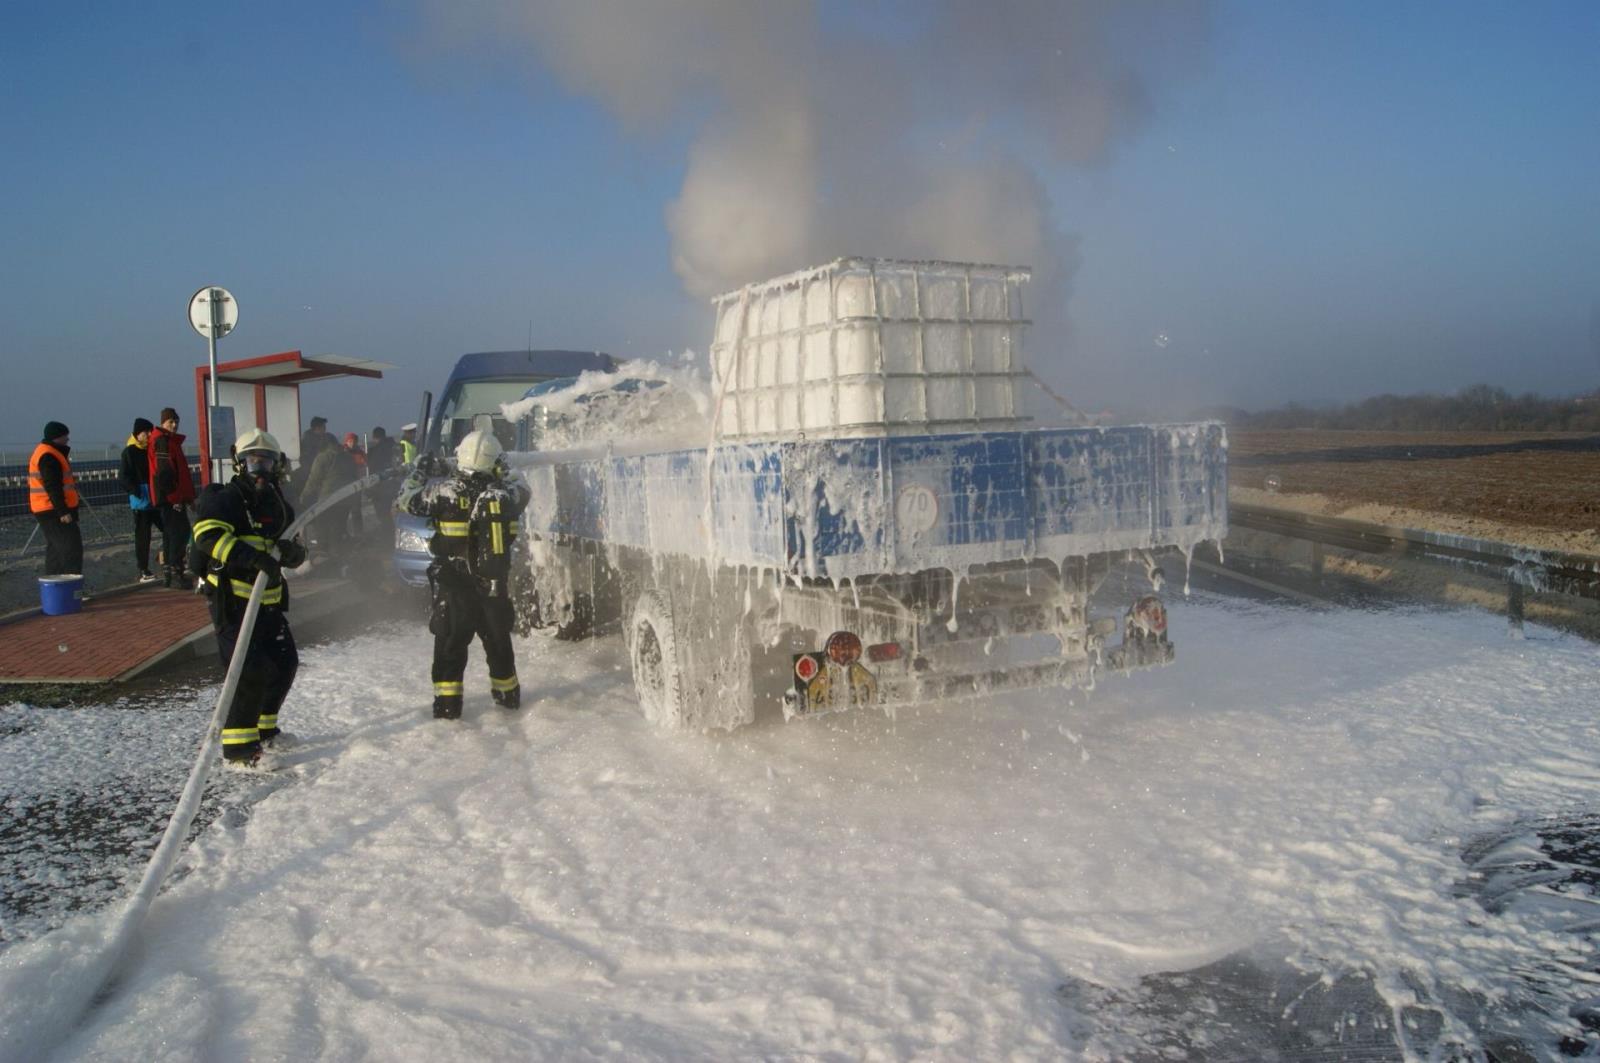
<point>478,452</point>
<point>256,439</point>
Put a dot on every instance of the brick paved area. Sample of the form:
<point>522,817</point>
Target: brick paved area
<point>110,636</point>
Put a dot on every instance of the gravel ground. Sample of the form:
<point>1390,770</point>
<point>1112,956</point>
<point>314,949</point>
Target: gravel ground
<point>107,557</point>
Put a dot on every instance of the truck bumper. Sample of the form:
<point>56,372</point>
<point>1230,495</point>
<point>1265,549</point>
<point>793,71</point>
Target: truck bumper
<point>900,684</point>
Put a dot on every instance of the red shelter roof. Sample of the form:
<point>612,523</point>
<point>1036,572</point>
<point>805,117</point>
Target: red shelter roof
<point>288,369</point>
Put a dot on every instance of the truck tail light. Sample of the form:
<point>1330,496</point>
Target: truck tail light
<point>1150,616</point>
<point>884,651</point>
<point>843,647</point>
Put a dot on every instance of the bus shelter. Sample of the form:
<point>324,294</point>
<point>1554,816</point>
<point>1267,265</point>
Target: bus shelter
<point>264,393</point>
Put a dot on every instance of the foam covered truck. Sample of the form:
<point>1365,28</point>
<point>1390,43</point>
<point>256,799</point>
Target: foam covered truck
<point>872,518</point>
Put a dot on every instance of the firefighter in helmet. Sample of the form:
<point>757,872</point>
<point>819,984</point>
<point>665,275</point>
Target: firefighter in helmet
<point>474,515</point>
<point>240,524</point>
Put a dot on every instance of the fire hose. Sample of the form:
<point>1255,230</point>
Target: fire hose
<point>78,980</point>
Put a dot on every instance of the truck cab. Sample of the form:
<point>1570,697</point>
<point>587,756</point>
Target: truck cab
<point>478,385</point>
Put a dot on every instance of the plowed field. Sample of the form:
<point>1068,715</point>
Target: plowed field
<point>1492,482</point>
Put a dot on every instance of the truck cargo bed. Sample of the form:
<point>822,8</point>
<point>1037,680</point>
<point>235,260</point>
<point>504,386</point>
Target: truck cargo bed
<point>847,508</point>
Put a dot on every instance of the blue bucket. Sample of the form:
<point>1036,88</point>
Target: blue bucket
<point>61,594</point>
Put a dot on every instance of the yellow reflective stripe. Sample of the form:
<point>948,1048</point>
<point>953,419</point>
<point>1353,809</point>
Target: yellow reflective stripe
<point>258,541</point>
<point>223,547</point>
<point>516,528</point>
<point>211,524</point>
<point>211,578</point>
<point>498,537</point>
<point>459,528</point>
<point>270,596</point>
<point>502,685</point>
<point>494,507</point>
<point>447,688</point>
<point>267,723</point>
<point>238,736</point>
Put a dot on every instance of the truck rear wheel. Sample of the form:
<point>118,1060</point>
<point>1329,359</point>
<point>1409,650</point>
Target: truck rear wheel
<point>657,668</point>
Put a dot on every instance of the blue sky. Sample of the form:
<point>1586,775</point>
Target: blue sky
<point>1319,202</point>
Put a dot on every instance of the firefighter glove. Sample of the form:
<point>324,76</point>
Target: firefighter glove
<point>265,562</point>
<point>292,553</point>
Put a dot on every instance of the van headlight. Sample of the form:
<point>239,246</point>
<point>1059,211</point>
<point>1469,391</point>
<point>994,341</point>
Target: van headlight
<point>410,541</point>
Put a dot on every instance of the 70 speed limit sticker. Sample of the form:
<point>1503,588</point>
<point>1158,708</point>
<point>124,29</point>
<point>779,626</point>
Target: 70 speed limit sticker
<point>916,511</point>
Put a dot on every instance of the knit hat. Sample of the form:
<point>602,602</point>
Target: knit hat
<point>141,425</point>
<point>55,430</point>
<point>168,414</point>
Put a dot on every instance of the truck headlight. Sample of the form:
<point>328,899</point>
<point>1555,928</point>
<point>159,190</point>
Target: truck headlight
<point>407,540</point>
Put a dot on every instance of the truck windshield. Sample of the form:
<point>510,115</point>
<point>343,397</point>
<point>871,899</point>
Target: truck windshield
<point>472,397</point>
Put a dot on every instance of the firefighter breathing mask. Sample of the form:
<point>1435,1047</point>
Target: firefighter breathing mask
<point>259,466</point>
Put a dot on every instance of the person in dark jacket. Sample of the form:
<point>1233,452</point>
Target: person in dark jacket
<point>475,515</point>
<point>334,468</point>
<point>382,455</point>
<point>172,493</point>
<point>314,441</point>
<point>53,498</point>
<point>135,477</point>
<point>240,524</point>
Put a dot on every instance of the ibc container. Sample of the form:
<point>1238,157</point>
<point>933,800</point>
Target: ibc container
<point>869,346</point>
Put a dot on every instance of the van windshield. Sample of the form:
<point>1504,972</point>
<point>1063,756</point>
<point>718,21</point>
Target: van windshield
<point>472,397</point>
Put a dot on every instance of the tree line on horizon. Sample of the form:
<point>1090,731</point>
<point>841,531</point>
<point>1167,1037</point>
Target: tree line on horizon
<point>1480,408</point>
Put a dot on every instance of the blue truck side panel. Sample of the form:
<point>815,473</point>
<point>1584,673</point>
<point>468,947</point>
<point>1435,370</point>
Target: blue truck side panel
<point>850,507</point>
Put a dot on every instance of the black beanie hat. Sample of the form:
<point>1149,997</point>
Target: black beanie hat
<point>141,425</point>
<point>55,430</point>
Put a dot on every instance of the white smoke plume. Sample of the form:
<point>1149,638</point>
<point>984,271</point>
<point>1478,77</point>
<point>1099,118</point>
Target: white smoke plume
<point>826,129</point>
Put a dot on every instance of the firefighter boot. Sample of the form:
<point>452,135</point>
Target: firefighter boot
<point>447,707</point>
<point>507,693</point>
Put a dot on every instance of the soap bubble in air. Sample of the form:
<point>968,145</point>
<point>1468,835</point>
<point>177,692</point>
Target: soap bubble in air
<point>62,648</point>
<point>1162,339</point>
<point>1274,484</point>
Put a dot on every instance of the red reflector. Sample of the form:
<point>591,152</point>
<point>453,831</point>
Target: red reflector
<point>1150,614</point>
<point>806,668</point>
<point>843,647</point>
<point>884,651</point>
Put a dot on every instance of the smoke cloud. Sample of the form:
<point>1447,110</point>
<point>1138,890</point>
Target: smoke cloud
<point>914,129</point>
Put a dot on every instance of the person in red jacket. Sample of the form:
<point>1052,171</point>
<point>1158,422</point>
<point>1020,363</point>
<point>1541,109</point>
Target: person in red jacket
<point>172,493</point>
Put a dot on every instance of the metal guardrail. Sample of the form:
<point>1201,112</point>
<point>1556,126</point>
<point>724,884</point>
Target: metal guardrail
<point>97,481</point>
<point>1523,568</point>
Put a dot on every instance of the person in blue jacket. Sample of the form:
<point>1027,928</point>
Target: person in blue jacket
<point>135,477</point>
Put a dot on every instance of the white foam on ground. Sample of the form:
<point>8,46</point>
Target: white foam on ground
<point>568,882</point>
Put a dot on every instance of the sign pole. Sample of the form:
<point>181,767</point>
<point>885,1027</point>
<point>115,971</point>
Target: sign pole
<point>214,313</point>
<point>211,343</point>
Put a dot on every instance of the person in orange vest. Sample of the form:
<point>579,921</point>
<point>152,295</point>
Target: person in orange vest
<point>53,498</point>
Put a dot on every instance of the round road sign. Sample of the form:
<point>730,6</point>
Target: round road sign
<point>212,305</point>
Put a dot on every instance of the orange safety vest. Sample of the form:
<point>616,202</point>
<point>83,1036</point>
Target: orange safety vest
<point>38,498</point>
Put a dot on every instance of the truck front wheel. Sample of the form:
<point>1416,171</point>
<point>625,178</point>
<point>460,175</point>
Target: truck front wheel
<point>653,653</point>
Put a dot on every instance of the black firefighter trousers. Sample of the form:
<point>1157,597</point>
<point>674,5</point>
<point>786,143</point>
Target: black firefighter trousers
<point>270,663</point>
<point>461,609</point>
